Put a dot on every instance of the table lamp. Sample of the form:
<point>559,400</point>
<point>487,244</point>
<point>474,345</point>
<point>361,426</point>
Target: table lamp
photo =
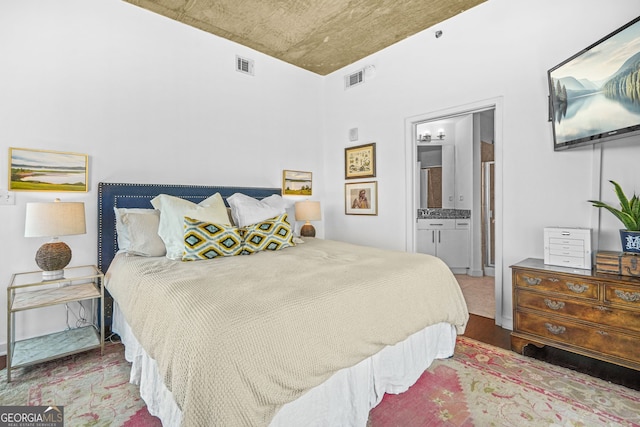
<point>54,219</point>
<point>308,211</point>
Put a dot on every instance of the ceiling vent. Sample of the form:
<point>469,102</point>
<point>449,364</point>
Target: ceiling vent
<point>354,79</point>
<point>244,65</point>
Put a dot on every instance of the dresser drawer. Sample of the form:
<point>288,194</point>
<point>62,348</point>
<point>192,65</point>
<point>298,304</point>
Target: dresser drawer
<point>546,282</point>
<point>606,315</point>
<point>623,295</point>
<point>567,259</point>
<point>571,244</point>
<point>593,338</point>
<point>571,251</point>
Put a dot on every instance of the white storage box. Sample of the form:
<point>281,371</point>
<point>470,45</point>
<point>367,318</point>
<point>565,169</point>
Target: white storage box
<point>568,247</point>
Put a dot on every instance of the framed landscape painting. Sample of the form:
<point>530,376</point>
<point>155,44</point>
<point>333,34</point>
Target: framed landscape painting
<point>40,170</point>
<point>296,183</point>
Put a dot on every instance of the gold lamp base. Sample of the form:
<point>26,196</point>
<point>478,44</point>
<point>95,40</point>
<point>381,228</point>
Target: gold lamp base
<point>307,230</point>
<point>52,258</point>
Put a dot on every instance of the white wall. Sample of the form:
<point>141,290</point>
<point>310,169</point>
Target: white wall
<point>500,49</point>
<point>149,100</point>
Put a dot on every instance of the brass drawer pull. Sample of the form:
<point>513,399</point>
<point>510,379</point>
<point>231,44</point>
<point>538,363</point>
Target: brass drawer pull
<point>580,288</point>
<point>555,330</point>
<point>602,308</point>
<point>554,305</point>
<point>628,296</point>
<point>532,281</point>
<point>603,333</point>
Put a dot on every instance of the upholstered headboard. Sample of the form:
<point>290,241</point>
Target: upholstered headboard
<point>123,195</point>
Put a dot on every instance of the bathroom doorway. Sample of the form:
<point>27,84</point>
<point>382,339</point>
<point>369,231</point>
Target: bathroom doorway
<point>486,247</point>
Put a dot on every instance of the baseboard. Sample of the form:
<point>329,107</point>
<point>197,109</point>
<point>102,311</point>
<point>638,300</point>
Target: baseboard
<point>507,322</point>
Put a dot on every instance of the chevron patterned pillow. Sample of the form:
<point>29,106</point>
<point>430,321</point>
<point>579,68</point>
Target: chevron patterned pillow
<point>271,235</point>
<point>205,240</point>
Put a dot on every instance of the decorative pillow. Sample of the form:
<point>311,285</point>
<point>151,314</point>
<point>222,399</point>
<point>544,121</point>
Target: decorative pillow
<point>271,235</point>
<point>143,234</point>
<point>210,213</point>
<point>122,230</point>
<point>204,240</point>
<point>247,210</point>
<point>230,217</point>
<point>174,209</point>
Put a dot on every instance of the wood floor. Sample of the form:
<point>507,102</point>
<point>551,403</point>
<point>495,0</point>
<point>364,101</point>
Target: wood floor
<point>485,330</point>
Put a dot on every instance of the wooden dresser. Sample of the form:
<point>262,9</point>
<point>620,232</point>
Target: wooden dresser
<point>593,314</point>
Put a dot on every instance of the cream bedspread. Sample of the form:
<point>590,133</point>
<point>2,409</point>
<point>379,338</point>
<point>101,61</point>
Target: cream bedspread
<point>238,337</point>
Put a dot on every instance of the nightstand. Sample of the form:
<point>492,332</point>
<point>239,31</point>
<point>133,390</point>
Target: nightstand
<point>27,291</point>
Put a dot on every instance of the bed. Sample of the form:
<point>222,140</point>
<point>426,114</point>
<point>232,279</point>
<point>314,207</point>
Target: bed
<point>283,333</point>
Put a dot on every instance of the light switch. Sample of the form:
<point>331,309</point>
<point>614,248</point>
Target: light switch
<point>7,198</point>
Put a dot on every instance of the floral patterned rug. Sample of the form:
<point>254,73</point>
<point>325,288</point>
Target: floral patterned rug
<point>94,389</point>
<point>480,385</point>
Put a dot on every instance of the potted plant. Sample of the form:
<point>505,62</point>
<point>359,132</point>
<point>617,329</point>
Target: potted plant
<point>629,215</point>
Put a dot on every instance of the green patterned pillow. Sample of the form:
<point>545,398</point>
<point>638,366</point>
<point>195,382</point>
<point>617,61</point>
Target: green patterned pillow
<point>271,235</point>
<point>204,240</point>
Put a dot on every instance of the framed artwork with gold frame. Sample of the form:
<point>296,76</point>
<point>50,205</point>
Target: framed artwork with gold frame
<point>42,170</point>
<point>361,198</point>
<point>296,183</point>
<point>360,161</point>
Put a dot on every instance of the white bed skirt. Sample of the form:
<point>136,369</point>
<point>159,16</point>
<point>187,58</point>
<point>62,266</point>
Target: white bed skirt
<point>345,399</point>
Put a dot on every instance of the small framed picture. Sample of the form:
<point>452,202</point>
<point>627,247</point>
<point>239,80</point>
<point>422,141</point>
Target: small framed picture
<point>361,198</point>
<point>40,170</point>
<point>296,183</point>
<point>360,161</point>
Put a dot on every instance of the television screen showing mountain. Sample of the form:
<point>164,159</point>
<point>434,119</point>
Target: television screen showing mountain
<point>595,95</point>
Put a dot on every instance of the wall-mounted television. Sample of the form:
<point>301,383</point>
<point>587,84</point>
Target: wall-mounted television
<point>595,94</point>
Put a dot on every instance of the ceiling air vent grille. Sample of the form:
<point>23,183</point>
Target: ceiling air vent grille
<point>354,79</point>
<point>244,65</point>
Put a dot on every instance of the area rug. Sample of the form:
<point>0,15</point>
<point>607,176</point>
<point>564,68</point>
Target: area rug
<point>94,389</point>
<point>482,385</point>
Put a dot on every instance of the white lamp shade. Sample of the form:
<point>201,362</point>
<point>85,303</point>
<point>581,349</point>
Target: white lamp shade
<point>308,211</point>
<point>54,219</point>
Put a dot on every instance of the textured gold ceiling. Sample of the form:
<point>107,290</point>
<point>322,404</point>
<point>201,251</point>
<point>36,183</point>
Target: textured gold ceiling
<point>318,35</point>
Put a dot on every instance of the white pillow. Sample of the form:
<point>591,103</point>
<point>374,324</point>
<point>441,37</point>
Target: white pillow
<point>246,210</point>
<point>122,230</point>
<point>174,209</point>
<point>213,214</point>
<point>142,230</point>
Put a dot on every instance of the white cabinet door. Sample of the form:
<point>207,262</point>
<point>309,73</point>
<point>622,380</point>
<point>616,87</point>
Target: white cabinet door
<point>447,239</point>
<point>453,247</point>
<point>426,242</point>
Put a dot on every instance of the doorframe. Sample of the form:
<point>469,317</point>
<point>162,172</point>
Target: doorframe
<point>411,195</point>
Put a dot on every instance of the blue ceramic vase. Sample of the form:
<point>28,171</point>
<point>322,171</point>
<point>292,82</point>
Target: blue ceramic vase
<point>630,241</point>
